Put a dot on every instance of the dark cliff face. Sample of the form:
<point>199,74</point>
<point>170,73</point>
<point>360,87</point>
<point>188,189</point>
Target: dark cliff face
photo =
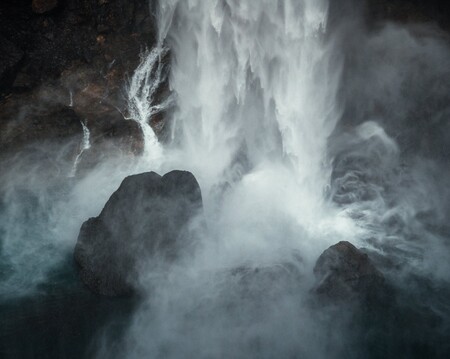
<point>43,45</point>
<point>376,12</point>
<point>411,11</point>
<point>73,54</point>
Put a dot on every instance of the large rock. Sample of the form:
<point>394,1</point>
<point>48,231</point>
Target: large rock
<point>345,273</point>
<point>143,222</point>
<point>380,317</point>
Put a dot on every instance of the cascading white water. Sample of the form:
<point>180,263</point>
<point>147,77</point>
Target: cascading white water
<point>141,99</point>
<point>256,95</point>
<point>70,99</point>
<point>256,89</point>
<point>253,75</point>
<point>255,85</point>
<point>85,145</point>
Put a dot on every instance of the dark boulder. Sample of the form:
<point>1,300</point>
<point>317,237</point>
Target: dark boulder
<point>145,221</point>
<point>381,317</point>
<point>345,273</point>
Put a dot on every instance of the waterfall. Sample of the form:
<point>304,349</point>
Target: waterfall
<point>142,101</point>
<point>300,136</point>
<point>256,87</point>
<point>70,98</point>
<point>85,145</point>
<point>255,84</point>
<point>256,93</point>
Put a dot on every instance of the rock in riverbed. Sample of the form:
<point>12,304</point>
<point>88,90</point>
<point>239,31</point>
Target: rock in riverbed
<point>144,221</point>
<point>344,272</point>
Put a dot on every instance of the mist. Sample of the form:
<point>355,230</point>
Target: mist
<point>303,129</point>
<point>301,136</point>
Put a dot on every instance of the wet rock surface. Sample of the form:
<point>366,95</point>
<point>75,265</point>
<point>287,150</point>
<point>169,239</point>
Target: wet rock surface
<point>145,220</point>
<point>74,55</point>
<point>381,319</point>
<point>37,124</point>
<point>344,272</point>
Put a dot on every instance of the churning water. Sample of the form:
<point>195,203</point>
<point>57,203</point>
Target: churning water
<point>266,120</point>
<point>300,136</point>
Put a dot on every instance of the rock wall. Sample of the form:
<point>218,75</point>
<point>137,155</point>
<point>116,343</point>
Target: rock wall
<point>410,11</point>
<point>74,55</point>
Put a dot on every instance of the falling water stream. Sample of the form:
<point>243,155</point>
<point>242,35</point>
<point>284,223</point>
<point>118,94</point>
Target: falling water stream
<point>257,121</point>
<point>256,93</point>
<point>142,91</point>
<point>294,150</point>
<point>256,98</point>
<point>85,145</point>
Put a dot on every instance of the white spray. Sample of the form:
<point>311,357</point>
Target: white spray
<point>85,145</point>
<point>142,90</point>
<point>256,94</point>
<point>256,101</point>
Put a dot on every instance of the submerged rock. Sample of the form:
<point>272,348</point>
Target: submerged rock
<point>145,220</point>
<point>344,272</point>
